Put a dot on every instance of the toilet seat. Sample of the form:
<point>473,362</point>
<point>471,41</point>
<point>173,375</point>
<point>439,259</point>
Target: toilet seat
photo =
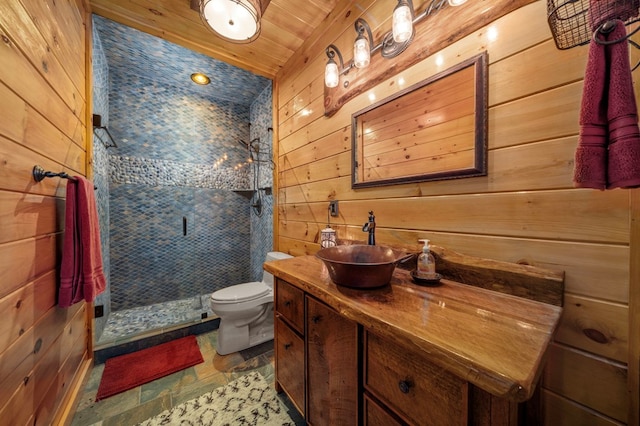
<point>240,293</point>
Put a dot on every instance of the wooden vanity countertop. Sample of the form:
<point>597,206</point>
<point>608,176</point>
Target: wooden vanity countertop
<point>495,341</point>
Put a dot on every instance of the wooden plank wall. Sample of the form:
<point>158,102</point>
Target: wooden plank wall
<point>43,107</point>
<point>525,210</point>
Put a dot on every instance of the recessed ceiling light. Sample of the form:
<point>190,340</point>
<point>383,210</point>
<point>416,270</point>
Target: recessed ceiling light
<point>200,78</point>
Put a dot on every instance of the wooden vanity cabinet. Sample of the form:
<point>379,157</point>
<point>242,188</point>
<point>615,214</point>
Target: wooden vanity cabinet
<point>455,354</point>
<point>316,358</point>
<point>289,342</point>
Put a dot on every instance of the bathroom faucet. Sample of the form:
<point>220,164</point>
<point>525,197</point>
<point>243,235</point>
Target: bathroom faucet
<point>370,227</point>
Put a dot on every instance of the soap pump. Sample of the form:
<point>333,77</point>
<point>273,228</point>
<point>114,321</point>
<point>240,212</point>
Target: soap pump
<point>426,265</point>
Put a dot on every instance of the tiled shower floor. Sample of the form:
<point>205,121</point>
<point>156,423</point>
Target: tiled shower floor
<point>135,323</point>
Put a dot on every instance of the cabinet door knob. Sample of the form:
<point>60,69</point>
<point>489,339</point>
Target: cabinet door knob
<point>316,319</point>
<point>287,303</point>
<point>405,386</point>
<point>287,346</point>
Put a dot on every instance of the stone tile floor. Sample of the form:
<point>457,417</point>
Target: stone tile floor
<point>143,402</point>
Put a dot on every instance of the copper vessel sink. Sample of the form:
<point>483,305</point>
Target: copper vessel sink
<point>361,266</point>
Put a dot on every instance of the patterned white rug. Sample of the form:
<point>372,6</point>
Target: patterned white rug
<point>248,400</point>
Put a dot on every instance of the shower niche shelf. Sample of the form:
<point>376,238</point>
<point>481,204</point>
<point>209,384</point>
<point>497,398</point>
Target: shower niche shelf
<point>248,193</point>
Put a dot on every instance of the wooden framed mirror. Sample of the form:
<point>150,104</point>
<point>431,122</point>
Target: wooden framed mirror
<point>433,130</point>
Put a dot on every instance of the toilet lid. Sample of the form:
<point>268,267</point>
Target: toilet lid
<point>241,292</point>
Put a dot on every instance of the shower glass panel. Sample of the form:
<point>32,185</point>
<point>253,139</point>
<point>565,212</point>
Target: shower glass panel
<point>170,248</point>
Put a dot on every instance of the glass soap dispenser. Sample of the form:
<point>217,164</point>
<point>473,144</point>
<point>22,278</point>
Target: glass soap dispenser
<point>426,266</point>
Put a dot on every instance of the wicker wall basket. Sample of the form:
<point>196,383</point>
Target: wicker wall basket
<point>573,22</point>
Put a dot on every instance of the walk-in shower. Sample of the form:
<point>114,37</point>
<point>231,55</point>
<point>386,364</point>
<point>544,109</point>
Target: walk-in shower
<point>176,194</point>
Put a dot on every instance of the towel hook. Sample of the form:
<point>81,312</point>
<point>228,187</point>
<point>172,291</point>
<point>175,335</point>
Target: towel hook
<point>606,28</point>
<point>609,26</point>
<point>39,174</point>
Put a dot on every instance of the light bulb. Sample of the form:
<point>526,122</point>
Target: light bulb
<point>456,2</point>
<point>331,75</point>
<point>361,52</point>
<point>402,23</point>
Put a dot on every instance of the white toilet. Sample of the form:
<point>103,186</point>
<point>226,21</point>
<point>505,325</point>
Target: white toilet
<point>246,312</point>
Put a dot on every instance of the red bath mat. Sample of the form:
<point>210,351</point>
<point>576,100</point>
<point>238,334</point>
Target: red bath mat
<point>125,372</point>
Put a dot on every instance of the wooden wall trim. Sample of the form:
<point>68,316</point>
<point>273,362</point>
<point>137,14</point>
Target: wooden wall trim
<point>275,148</point>
<point>634,309</point>
<point>89,142</point>
<point>633,380</point>
<point>66,410</point>
<point>432,34</point>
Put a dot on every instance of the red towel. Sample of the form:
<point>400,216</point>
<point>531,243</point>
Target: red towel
<point>608,153</point>
<point>591,155</point>
<point>81,275</point>
<point>623,168</point>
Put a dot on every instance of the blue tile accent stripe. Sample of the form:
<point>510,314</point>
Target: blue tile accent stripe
<point>146,171</point>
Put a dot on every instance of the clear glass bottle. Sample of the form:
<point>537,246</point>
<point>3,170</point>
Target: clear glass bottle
<point>426,266</point>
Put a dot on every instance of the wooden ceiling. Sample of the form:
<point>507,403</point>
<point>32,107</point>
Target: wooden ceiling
<point>285,26</point>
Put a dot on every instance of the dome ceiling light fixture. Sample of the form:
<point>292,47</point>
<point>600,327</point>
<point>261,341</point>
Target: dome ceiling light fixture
<point>236,21</point>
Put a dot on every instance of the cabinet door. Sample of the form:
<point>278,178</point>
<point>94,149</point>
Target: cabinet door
<point>332,366</point>
<point>289,354</point>
<point>290,304</point>
<point>418,391</point>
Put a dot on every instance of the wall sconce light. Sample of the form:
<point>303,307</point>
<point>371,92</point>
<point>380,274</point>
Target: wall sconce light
<point>393,43</point>
<point>332,71</point>
<point>402,21</point>
<point>236,21</point>
<point>362,45</point>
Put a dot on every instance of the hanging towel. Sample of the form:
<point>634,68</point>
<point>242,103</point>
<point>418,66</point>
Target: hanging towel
<point>81,274</point>
<point>591,155</point>
<point>624,137</point>
<point>608,153</point>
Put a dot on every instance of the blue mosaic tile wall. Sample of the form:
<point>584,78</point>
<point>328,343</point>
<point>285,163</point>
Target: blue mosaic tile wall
<point>132,53</point>
<point>100,95</point>
<point>262,224</point>
<point>161,123</point>
<point>153,261</point>
<point>176,163</point>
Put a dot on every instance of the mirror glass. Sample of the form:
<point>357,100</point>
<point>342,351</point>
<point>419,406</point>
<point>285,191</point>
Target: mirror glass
<point>433,130</point>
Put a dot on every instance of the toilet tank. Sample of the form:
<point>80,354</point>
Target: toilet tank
<point>267,278</point>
